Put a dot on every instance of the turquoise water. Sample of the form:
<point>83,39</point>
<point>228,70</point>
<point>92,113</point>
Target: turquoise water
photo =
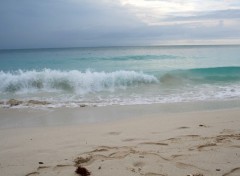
<point>121,75</point>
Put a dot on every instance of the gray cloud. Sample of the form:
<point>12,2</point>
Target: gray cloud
<point>205,15</point>
<point>53,23</point>
<point>68,23</point>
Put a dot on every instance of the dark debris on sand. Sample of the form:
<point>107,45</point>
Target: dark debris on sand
<point>82,171</point>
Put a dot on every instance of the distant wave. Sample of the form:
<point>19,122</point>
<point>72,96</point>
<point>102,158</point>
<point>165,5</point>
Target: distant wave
<point>203,75</point>
<point>71,81</point>
<point>142,57</point>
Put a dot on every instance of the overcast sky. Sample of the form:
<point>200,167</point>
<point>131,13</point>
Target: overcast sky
<point>80,23</point>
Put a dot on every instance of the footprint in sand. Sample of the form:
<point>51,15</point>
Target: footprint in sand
<point>192,136</point>
<point>137,167</point>
<point>133,139</point>
<point>154,174</point>
<point>129,140</point>
<point>55,170</point>
<point>138,164</point>
<point>233,172</point>
<point>183,127</point>
<point>176,156</point>
<point>227,131</point>
<point>200,147</point>
<point>203,147</point>
<point>189,166</point>
<point>154,143</point>
<point>32,174</point>
<point>38,171</point>
<point>235,146</point>
<point>114,133</point>
<point>203,125</point>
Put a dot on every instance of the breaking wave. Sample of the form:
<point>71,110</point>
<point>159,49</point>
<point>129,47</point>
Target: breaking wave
<point>71,81</point>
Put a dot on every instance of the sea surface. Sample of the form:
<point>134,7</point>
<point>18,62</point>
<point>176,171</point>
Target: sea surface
<point>70,77</point>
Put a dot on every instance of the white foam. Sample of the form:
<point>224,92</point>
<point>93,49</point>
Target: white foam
<point>73,88</point>
<point>71,81</point>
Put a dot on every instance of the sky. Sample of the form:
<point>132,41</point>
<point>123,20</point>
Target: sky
<point>86,23</point>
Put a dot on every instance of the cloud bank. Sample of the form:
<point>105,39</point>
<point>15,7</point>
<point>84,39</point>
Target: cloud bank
<point>83,23</point>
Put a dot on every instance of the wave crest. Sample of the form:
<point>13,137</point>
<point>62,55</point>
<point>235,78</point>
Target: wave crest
<point>73,81</point>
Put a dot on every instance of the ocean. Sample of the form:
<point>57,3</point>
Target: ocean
<point>73,77</point>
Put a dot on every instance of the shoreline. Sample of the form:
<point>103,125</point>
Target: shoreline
<point>142,140</point>
<point>40,117</point>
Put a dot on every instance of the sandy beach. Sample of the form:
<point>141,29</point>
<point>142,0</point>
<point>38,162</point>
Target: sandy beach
<point>120,88</point>
<point>205,142</point>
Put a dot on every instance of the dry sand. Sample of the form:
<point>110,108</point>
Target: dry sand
<point>167,144</point>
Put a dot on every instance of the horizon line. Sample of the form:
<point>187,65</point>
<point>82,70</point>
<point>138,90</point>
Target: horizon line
<point>115,46</point>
